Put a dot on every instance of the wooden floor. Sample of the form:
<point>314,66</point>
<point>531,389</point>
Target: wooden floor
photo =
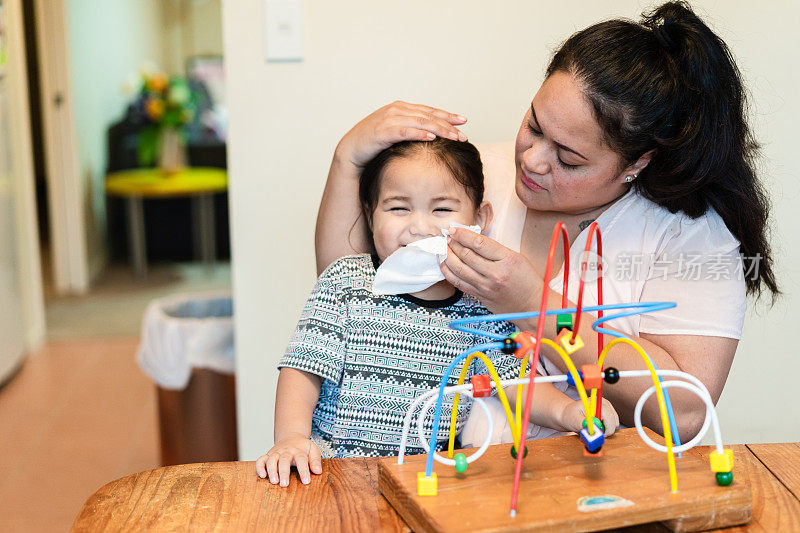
<point>79,414</point>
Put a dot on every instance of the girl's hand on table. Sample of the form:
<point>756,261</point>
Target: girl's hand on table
<point>502,279</point>
<point>295,450</point>
<point>396,122</point>
<point>573,415</point>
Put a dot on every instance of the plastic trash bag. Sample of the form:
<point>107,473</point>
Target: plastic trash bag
<point>186,331</point>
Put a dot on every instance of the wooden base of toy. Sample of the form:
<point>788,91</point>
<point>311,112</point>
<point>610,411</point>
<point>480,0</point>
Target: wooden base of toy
<point>561,490</point>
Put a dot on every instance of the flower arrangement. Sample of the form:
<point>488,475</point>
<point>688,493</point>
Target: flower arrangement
<point>164,106</point>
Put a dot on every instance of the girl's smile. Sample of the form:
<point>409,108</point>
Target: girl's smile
<point>418,198</point>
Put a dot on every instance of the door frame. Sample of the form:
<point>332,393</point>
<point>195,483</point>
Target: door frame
<point>25,217</point>
<point>66,190</point>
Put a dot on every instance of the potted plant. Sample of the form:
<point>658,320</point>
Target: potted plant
<point>165,106</point>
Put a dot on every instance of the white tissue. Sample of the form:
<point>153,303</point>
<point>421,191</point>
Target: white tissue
<point>414,267</point>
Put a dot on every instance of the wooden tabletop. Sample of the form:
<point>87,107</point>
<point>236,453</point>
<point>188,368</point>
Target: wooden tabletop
<point>345,497</point>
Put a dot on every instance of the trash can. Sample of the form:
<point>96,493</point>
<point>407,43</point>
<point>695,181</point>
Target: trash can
<point>187,349</point>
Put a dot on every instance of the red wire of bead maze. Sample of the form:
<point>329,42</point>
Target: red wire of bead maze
<point>559,228</point>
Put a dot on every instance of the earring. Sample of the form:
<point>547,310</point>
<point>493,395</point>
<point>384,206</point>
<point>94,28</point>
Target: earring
<point>628,179</point>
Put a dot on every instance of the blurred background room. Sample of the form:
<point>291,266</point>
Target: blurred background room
<point>114,195</point>
<point>120,124</point>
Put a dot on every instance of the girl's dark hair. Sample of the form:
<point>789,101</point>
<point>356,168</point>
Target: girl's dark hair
<point>670,84</point>
<point>462,159</point>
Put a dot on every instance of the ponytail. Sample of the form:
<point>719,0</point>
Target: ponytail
<point>670,84</point>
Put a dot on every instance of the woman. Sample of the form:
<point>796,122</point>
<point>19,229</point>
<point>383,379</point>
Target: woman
<point>642,128</point>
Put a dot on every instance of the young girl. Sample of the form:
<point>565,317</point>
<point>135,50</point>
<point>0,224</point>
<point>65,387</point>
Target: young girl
<point>357,361</point>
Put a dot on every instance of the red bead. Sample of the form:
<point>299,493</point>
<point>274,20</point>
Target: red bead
<point>481,386</point>
<point>592,377</point>
<point>526,342</point>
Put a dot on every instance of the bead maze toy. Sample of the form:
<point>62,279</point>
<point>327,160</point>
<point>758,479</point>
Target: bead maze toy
<point>610,484</point>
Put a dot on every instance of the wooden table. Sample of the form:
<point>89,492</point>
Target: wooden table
<point>230,497</point>
<point>198,183</point>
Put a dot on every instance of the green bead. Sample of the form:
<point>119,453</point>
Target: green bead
<point>563,321</point>
<point>597,423</point>
<point>461,463</point>
<point>514,452</point>
<point>724,478</point>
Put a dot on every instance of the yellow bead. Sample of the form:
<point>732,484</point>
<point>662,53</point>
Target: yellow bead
<point>426,486</point>
<point>722,462</point>
<point>564,338</point>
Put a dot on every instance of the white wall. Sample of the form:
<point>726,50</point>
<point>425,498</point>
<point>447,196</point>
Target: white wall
<point>481,60</point>
<point>191,28</point>
<point>108,42</point>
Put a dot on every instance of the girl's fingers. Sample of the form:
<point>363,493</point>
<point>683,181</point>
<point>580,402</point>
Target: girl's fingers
<point>284,468</point>
<point>457,282</point>
<point>301,462</point>
<point>482,245</point>
<point>272,468</point>
<point>261,466</point>
<point>315,459</point>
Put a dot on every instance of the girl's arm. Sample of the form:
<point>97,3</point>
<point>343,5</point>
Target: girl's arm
<point>340,231</point>
<point>297,396</point>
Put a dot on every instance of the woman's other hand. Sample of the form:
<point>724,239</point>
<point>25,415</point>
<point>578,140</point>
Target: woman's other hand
<point>503,280</point>
<point>295,450</point>
<point>396,122</point>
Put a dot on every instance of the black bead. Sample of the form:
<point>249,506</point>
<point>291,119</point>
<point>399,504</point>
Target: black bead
<point>509,346</point>
<point>611,375</point>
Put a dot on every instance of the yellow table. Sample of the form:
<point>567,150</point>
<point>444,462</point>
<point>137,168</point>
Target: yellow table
<point>198,183</point>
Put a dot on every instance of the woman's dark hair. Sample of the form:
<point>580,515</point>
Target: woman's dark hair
<point>670,84</point>
<point>461,159</point>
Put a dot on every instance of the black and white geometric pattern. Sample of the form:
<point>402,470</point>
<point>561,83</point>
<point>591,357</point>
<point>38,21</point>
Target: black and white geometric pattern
<point>377,354</point>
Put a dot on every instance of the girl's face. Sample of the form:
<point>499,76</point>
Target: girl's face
<point>418,198</point>
<point>563,163</point>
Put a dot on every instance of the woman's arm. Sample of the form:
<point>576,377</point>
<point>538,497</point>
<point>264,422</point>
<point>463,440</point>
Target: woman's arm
<point>505,282</point>
<point>340,230</point>
<point>707,358</point>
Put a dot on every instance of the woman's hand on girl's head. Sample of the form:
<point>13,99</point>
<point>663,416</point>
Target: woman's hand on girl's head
<point>393,123</point>
<point>503,280</point>
<point>295,450</point>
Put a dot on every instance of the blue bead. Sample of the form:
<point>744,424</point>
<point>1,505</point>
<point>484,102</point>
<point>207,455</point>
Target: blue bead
<point>592,443</point>
<point>571,381</point>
